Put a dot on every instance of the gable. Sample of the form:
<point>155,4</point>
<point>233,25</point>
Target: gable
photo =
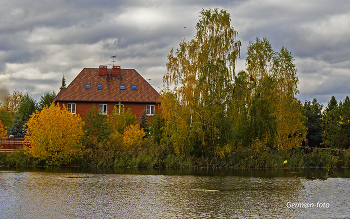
<point>130,86</point>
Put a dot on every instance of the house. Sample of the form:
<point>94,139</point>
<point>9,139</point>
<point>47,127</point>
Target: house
<point>106,88</point>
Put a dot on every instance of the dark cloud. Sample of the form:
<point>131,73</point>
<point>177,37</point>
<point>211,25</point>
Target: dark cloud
<point>40,41</point>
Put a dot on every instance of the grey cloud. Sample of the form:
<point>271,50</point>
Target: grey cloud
<point>62,37</point>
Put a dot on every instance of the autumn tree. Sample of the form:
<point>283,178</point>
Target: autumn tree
<point>118,120</point>
<point>200,72</point>
<point>54,135</point>
<point>3,131</point>
<point>3,96</point>
<point>268,91</point>
<point>133,137</point>
<point>13,101</point>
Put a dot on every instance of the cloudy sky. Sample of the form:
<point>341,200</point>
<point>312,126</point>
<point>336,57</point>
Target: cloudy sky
<point>40,41</point>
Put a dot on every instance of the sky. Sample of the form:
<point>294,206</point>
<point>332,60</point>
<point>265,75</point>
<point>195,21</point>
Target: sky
<point>40,41</point>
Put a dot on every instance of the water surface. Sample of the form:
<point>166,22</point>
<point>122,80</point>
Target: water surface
<point>69,193</point>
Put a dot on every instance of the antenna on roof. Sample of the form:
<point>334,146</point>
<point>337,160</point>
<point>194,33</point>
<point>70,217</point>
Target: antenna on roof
<point>113,57</point>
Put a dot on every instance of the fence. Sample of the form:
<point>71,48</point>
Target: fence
<point>11,144</point>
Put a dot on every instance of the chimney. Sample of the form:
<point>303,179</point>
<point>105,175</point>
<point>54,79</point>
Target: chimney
<point>102,71</point>
<point>116,71</point>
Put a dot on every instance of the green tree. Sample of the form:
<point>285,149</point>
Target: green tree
<point>63,84</point>
<point>118,121</point>
<point>156,129</point>
<point>26,108</point>
<point>331,105</point>
<point>144,123</point>
<point>96,127</point>
<point>264,97</point>
<point>46,99</point>
<point>201,71</point>
<point>6,116</point>
<point>314,121</point>
<point>337,124</point>
<point>16,128</point>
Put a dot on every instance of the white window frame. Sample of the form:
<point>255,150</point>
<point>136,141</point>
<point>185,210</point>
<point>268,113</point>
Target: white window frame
<point>117,106</point>
<point>72,108</point>
<point>150,110</point>
<point>102,109</point>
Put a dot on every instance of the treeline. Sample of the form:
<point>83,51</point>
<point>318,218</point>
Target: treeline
<point>329,127</point>
<point>16,109</point>
<point>210,116</point>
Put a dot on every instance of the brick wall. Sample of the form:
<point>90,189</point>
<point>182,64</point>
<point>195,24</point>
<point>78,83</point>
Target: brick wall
<point>136,108</point>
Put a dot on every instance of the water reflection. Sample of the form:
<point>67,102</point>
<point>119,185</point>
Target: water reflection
<point>68,193</point>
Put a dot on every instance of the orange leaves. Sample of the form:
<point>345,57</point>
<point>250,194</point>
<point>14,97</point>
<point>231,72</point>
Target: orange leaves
<point>133,136</point>
<point>3,131</point>
<point>54,135</point>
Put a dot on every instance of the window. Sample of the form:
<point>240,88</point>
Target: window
<point>119,108</point>
<point>87,86</point>
<point>71,108</point>
<point>133,87</point>
<point>150,110</point>
<point>103,109</point>
<point>122,87</point>
<point>99,87</point>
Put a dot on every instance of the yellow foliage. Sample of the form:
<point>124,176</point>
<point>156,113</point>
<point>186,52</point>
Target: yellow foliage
<point>13,101</point>
<point>3,131</point>
<point>224,151</point>
<point>133,136</point>
<point>54,135</point>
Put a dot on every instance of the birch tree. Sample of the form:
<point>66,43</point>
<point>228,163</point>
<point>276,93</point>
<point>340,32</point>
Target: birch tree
<point>199,79</point>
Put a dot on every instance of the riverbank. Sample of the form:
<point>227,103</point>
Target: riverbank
<point>240,158</point>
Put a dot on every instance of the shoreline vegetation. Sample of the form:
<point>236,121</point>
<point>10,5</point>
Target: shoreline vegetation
<point>155,158</point>
<point>210,116</point>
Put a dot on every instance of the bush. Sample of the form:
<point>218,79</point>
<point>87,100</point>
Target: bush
<point>54,136</point>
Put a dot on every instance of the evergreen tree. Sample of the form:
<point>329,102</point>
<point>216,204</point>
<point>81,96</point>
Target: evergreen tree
<point>144,124</point>
<point>313,113</point>
<point>331,105</point>
<point>46,99</point>
<point>337,124</point>
<point>63,83</point>
<point>26,108</point>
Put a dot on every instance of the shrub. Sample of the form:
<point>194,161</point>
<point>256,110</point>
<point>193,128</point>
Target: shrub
<point>54,135</point>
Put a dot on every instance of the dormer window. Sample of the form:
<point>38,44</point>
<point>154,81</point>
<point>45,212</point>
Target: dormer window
<point>133,87</point>
<point>122,87</point>
<point>87,86</point>
<point>99,87</point>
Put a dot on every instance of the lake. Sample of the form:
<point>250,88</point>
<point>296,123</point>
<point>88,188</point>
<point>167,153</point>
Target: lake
<point>133,193</point>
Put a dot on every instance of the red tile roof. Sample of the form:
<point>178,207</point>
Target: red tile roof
<point>110,91</point>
